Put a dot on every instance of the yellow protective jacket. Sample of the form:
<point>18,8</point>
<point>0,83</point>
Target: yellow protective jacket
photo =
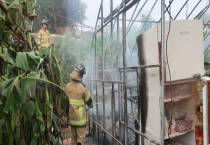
<point>79,96</point>
<point>44,39</point>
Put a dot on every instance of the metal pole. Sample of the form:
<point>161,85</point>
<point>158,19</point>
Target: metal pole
<point>104,113</point>
<point>131,103</point>
<point>96,84</point>
<point>113,115</point>
<point>102,45</point>
<point>91,54</point>
<point>162,68</point>
<point>111,13</point>
<point>118,76</point>
<point>125,72</point>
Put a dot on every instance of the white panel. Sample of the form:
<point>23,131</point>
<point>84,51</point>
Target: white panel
<point>151,56</point>
<point>185,49</point>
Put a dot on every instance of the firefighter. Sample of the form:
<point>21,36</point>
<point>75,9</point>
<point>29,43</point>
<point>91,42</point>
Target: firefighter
<point>44,39</point>
<point>79,97</point>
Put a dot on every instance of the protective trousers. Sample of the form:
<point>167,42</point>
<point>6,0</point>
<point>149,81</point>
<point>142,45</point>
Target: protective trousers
<point>78,135</point>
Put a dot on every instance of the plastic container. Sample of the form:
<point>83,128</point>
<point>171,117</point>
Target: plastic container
<point>200,95</point>
<point>200,141</point>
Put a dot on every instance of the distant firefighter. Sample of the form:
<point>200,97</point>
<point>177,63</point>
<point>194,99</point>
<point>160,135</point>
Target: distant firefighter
<point>79,96</point>
<point>44,39</point>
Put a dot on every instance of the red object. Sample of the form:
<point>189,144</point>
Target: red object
<point>197,141</point>
<point>116,132</point>
<point>197,128</point>
<point>63,30</point>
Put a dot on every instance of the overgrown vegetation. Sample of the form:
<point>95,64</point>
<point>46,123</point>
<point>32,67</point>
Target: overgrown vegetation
<point>32,103</point>
<point>62,13</point>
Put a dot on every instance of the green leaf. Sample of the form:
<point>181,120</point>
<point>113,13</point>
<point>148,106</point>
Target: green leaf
<point>58,69</point>
<point>10,104</point>
<point>34,6</point>
<point>38,113</point>
<point>29,108</point>
<point>34,141</point>
<point>32,59</point>
<point>21,61</point>
<point>15,4</point>
<point>2,126</point>
<point>1,31</point>
<point>9,59</point>
<point>13,121</point>
<point>7,85</point>
<point>15,99</point>
<point>34,74</point>
<point>46,51</point>
<point>52,137</point>
<point>33,56</point>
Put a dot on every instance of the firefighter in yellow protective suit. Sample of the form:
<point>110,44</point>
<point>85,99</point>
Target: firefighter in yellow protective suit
<point>44,39</point>
<point>79,97</point>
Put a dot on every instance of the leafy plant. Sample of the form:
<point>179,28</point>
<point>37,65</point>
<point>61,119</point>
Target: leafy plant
<point>32,103</point>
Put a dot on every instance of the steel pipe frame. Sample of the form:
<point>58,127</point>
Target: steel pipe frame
<point>169,6</point>
<point>123,10</point>
<point>105,131</point>
<point>113,114</point>
<point>141,134</point>
<point>204,11</point>
<point>107,81</point>
<point>125,72</point>
<point>96,22</point>
<point>102,46</point>
<point>96,85</point>
<point>92,83</point>
<point>180,10</point>
<point>162,69</point>
<point>118,76</point>
<point>133,21</point>
<point>142,66</point>
<point>144,24</point>
<point>163,25</point>
<point>194,9</point>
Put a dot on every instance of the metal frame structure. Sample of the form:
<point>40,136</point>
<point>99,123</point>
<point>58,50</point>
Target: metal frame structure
<point>122,72</point>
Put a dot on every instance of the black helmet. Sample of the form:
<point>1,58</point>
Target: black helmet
<point>80,68</point>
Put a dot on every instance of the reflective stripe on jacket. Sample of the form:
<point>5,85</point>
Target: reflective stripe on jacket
<point>79,97</point>
<point>44,39</point>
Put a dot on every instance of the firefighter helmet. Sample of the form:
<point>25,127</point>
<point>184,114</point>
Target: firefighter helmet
<point>45,21</point>
<point>80,68</point>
